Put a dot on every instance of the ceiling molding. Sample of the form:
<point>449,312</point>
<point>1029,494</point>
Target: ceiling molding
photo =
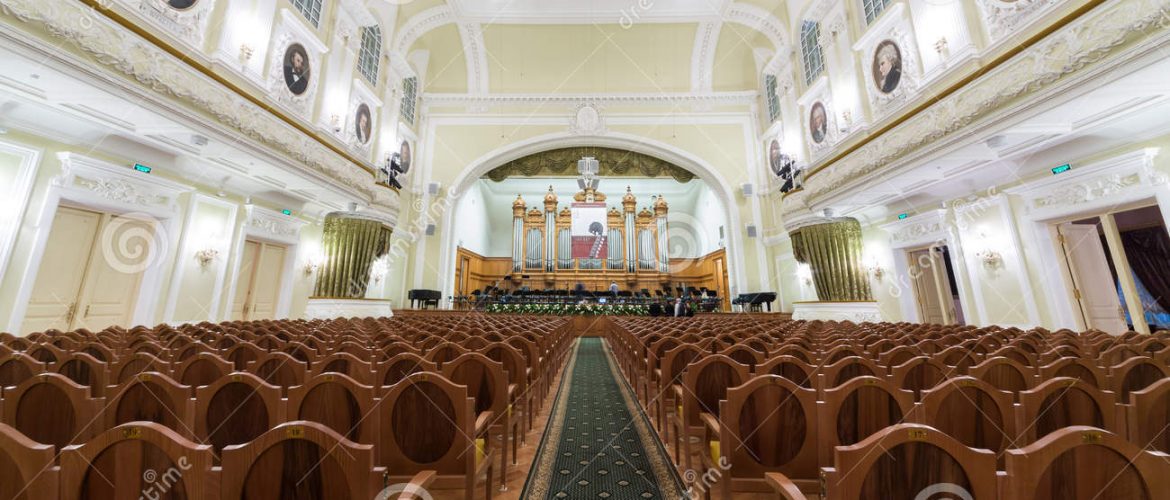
<point>417,26</point>
<point>475,55</point>
<point>744,97</point>
<point>760,20</point>
<point>703,57</point>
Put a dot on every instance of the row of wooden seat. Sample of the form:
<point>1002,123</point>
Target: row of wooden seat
<point>432,408</point>
<point>790,402</point>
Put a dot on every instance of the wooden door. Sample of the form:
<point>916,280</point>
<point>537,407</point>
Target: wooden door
<point>266,284</point>
<point>124,248</point>
<point>924,270</point>
<point>53,302</point>
<point>244,282</point>
<point>1093,287</point>
<point>721,284</point>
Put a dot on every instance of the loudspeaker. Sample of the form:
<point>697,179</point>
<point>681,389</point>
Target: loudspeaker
<point>430,229</point>
<point>751,230</point>
<point>433,188</point>
<point>747,188</point>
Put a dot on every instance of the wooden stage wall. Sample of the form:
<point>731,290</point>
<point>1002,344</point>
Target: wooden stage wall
<point>476,272</point>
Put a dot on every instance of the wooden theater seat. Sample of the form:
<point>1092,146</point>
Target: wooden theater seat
<point>858,408</point>
<point>487,384</point>
<point>236,409</point>
<point>906,461</point>
<point>300,460</point>
<point>26,468</point>
<point>138,459</point>
<point>972,411</point>
<point>202,369</point>
<point>1064,402</point>
<point>704,383</point>
<point>338,402</point>
<point>1083,463</point>
<point>1148,417</point>
<point>53,410</point>
<point>430,427</point>
<point>151,397</point>
<point>768,424</point>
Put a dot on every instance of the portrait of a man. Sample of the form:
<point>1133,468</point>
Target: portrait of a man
<point>887,66</point>
<point>774,157</point>
<point>363,124</point>
<point>818,122</point>
<point>296,69</point>
<point>181,4</point>
<point>404,155</point>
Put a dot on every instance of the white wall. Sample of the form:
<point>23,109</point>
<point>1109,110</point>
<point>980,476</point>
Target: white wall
<point>475,230</point>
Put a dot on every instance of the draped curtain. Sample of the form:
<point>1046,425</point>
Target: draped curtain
<point>832,251</point>
<point>1148,251</point>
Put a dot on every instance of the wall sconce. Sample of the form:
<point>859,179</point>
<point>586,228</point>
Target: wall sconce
<point>335,120</point>
<point>846,121</point>
<point>991,259</point>
<point>310,268</point>
<point>245,53</point>
<point>206,256</point>
<point>941,47</point>
<point>874,269</point>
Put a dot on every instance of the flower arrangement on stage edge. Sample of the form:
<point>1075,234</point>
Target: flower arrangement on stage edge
<point>571,309</point>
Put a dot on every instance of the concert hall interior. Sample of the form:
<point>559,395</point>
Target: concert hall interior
<point>585,249</point>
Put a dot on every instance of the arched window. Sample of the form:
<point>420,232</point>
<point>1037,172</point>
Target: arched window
<point>874,8</point>
<point>310,8</point>
<point>409,96</point>
<point>773,99</point>
<point>368,57</point>
<point>810,49</point>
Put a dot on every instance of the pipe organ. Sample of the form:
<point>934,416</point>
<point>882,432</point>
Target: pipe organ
<point>636,254</point>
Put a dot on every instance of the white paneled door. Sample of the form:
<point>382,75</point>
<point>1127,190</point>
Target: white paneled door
<point>91,271</point>
<point>1093,287</point>
<point>258,289</point>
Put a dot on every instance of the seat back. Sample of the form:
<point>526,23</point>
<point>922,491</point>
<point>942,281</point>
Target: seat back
<point>338,402</point>
<point>300,460</point>
<point>235,409</point>
<point>27,467</point>
<point>53,410</point>
<point>1082,463</point>
<point>140,459</point>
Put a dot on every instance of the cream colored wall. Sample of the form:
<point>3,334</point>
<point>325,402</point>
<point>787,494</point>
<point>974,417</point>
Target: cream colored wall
<point>194,287</point>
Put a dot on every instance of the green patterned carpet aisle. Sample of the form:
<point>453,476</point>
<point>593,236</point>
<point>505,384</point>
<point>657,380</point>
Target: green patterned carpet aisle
<point>598,443</point>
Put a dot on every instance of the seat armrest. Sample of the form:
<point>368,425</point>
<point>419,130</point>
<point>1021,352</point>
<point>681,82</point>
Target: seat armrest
<point>418,484</point>
<point>783,486</point>
<point>710,422</point>
<point>483,423</point>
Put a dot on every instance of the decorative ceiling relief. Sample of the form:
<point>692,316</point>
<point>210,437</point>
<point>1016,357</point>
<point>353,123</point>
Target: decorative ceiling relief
<point>614,163</point>
<point>586,121</point>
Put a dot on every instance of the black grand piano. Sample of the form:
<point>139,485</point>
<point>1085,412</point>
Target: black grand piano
<point>754,301</point>
<point>424,297</point>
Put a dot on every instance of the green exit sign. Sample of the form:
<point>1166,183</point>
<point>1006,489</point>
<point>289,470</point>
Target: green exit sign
<point>286,212</point>
<point>142,168</point>
<point>1061,169</point>
<point>903,216</point>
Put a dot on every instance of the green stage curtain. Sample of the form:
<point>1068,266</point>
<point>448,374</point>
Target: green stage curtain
<point>833,251</point>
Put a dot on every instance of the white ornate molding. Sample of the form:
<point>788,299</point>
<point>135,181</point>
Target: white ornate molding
<point>1065,54</point>
<point>819,93</point>
<point>760,20</point>
<point>14,195</point>
<point>417,26</point>
<point>272,225</point>
<point>918,230</point>
<point>587,121</point>
<point>1002,18</point>
<point>475,54</point>
<point>187,25</point>
<point>107,46</point>
<point>893,26</point>
<point>1113,181</point>
<point>703,55</point>
<point>112,185</point>
<point>290,31</point>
